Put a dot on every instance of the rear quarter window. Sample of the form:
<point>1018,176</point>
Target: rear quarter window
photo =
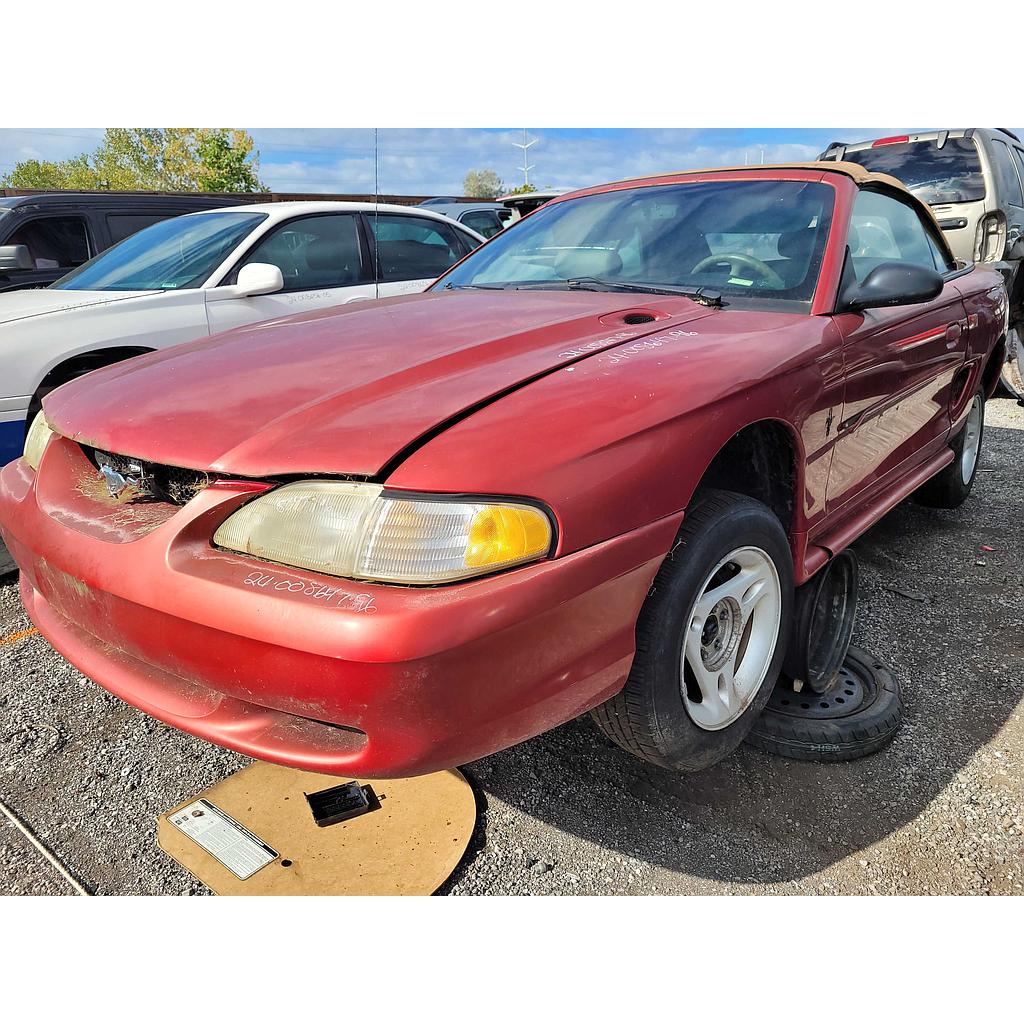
<point>1006,174</point>
<point>121,225</point>
<point>410,248</point>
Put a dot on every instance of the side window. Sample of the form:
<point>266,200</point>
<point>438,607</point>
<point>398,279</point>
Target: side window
<point>313,252</point>
<point>411,248</point>
<point>1019,157</point>
<point>484,222</point>
<point>1006,174</point>
<point>884,230</point>
<point>53,242</point>
<point>121,225</point>
<point>942,264</point>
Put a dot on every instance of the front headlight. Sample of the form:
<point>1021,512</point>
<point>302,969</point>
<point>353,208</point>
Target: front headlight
<point>358,531</point>
<point>36,440</point>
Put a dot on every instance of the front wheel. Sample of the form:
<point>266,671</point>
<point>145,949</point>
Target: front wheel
<point>710,637</point>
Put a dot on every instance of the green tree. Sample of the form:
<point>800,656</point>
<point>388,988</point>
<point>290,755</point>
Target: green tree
<point>227,163</point>
<point>482,184</point>
<point>74,173</point>
<point>523,190</point>
<point>167,159</point>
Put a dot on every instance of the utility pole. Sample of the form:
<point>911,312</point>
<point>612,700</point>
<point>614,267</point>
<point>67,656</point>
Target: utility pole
<point>524,146</point>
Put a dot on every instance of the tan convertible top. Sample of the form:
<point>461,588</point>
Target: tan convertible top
<point>861,175</point>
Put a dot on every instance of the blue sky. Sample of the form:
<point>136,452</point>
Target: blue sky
<point>433,161</point>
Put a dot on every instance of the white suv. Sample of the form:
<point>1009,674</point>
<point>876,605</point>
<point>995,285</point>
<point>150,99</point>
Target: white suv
<point>973,179</point>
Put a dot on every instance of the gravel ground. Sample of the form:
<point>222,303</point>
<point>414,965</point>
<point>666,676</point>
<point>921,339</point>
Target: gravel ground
<point>940,811</point>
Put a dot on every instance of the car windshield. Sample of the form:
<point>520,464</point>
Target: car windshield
<point>179,253</point>
<point>951,174</point>
<point>747,242</point>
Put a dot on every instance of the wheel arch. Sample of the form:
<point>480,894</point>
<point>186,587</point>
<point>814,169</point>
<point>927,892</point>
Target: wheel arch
<point>762,461</point>
<point>77,365</point>
<point>993,367</point>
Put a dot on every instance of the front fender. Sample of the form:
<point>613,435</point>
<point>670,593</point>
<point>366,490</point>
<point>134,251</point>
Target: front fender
<point>624,437</point>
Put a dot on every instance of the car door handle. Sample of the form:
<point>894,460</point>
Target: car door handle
<point>953,332</point>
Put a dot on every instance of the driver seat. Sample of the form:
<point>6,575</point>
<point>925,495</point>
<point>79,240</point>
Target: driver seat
<point>796,248</point>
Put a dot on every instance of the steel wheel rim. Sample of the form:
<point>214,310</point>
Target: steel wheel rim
<point>972,442</point>
<point>731,634</point>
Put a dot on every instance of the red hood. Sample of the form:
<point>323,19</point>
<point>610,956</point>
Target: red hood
<point>343,390</point>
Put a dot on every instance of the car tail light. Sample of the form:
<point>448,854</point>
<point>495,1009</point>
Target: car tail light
<point>890,140</point>
<point>990,239</point>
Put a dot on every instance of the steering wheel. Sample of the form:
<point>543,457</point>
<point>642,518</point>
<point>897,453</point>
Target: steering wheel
<point>736,261</point>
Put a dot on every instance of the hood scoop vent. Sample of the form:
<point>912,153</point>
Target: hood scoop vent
<point>635,317</point>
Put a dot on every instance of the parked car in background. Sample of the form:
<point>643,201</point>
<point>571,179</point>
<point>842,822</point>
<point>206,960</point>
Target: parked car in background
<point>195,275</point>
<point>973,180</point>
<point>485,218</point>
<point>44,236</point>
<point>583,471</point>
<point>520,204</point>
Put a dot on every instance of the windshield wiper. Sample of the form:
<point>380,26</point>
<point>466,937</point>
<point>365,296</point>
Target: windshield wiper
<point>597,284</point>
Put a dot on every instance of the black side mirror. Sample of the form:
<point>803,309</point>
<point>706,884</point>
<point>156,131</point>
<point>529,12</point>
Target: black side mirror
<point>892,284</point>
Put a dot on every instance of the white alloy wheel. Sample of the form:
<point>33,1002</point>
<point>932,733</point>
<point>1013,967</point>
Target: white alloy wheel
<point>972,441</point>
<point>732,633</point>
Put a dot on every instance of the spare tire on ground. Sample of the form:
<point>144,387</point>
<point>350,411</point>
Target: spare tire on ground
<point>859,715</point>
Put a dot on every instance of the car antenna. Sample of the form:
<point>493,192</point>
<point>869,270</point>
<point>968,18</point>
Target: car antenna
<point>376,217</point>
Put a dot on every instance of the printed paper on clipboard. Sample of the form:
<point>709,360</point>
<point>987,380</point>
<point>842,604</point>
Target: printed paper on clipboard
<point>228,842</point>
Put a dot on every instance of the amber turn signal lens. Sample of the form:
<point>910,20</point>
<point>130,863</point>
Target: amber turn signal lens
<point>499,535</point>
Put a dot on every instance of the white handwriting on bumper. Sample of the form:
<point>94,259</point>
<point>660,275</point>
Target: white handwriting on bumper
<point>338,597</point>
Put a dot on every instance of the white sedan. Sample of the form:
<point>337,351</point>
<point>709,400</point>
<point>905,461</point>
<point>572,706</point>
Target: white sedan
<point>205,272</point>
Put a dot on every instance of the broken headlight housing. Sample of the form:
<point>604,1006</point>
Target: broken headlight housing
<point>360,531</point>
<point>36,440</point>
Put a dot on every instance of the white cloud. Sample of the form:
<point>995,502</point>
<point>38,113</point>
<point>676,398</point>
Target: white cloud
<point>434,161</point>
<point>17,144</point>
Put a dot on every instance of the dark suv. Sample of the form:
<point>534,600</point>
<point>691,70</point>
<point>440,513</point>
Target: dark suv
<point>44,236</point>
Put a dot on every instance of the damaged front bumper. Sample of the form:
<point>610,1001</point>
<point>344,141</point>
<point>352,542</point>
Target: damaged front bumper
<point>310,671</point>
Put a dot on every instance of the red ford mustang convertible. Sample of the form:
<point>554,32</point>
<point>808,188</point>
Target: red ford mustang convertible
<point>586,470</point>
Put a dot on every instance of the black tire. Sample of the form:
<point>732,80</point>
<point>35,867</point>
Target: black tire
<point>648,717</point>
<point>948,489</point>
<point>843,731</point>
